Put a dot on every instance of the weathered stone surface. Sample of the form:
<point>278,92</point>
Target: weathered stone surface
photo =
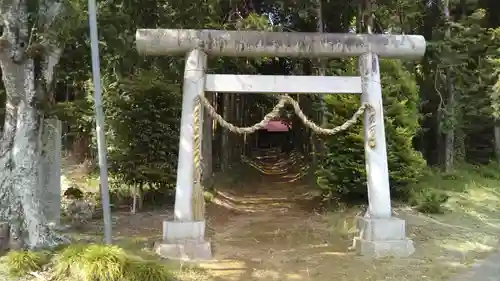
<point>278,44</point>
<point>174,231</point>
<point>184,240</point>
<point>50,171</point>
<point>186,250</point>
<point>20,179</point>
<point>4,236</point>
<point>382,237</point>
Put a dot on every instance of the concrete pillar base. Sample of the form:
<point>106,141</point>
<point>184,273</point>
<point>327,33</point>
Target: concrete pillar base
<point>383,237</point>
<point>184,241</point>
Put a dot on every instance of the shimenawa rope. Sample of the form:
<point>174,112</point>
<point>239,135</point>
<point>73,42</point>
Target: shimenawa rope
<point>198,199</point>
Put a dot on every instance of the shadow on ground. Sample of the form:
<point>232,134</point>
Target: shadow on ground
<point>269,228</point>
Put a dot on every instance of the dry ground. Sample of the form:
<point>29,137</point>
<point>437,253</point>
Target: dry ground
<point>268,229</point>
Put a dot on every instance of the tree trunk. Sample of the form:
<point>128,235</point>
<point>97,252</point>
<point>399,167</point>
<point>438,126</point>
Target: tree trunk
<point>133,210</point>
<point>233,138</point>
<point>21,156</point>
<point>449,135</point>
<point>238,139</point>
<point>207,144</point>
<point>137,198</point>
<point>225,151</point>
<point>218,135</point>
<point>497,141</point>
<point>459,143</point>
<point>26,77</point>
<point>317,144</point>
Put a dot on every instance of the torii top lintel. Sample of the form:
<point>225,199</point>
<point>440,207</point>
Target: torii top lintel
<point>158,42</point>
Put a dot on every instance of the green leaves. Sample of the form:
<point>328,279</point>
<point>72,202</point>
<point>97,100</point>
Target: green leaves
<point>143,113</point>
<point>342,172</point>
<point>142,95</point>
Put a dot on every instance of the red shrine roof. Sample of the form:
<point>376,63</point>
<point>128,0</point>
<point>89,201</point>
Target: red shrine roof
<point>277,126</point>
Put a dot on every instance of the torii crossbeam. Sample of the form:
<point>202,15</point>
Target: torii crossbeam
<point>380,233</point>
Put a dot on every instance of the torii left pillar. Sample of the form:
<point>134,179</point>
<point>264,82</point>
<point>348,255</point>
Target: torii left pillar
<point>381,233</point>
<point>183,238</point>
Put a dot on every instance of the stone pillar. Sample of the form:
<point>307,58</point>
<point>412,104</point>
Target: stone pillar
<point>380,233</point>
<point>183,238</point>
<point>50,171</point>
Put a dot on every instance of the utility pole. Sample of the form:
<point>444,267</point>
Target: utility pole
<point>99,123</point>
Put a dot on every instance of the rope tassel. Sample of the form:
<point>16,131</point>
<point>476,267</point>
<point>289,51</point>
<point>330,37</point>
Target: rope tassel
<point>198,198</point>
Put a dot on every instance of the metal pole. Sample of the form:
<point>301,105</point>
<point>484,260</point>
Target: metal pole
<point>99,120</point>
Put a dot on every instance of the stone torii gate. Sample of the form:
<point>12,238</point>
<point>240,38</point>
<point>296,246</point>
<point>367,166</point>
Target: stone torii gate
<point>381,234</point>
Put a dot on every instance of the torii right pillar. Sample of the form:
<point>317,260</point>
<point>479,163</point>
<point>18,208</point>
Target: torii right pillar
<point>380,234</point>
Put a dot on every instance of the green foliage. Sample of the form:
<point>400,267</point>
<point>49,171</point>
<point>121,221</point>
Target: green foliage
<point>490,171</point>
<point>143,114</point>
<point>86,262</point>
<point>429,200</point>
<point>342,171</point>
<point>431,193</point>
<point>142,95</point>
<point>21,263</point>
<point>105,263</point>
<point>461,58</point>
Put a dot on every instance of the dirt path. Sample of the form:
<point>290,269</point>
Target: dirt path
<point>267,228</point>
<point>271,232</point>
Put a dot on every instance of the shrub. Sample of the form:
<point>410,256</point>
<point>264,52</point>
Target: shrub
<point>428,200</point>
<point>143,113</point>
<point>341,173</point>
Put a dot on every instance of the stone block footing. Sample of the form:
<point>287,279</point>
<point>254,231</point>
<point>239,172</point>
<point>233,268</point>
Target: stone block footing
<point>382,237</point>
<point>184,241</point>
<point>188,250</point>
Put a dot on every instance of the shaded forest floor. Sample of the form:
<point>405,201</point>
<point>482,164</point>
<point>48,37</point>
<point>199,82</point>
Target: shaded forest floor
<point>268,227</point>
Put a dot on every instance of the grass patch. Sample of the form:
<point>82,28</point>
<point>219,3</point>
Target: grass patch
<point>87,262</point>
<point>22,263</point>
<point>105,263</point>
<point>433,190</point>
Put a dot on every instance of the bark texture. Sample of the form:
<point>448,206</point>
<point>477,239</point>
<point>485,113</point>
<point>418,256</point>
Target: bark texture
<point>27,70</point>
<point>496,131</point>
<point>449,135</point>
